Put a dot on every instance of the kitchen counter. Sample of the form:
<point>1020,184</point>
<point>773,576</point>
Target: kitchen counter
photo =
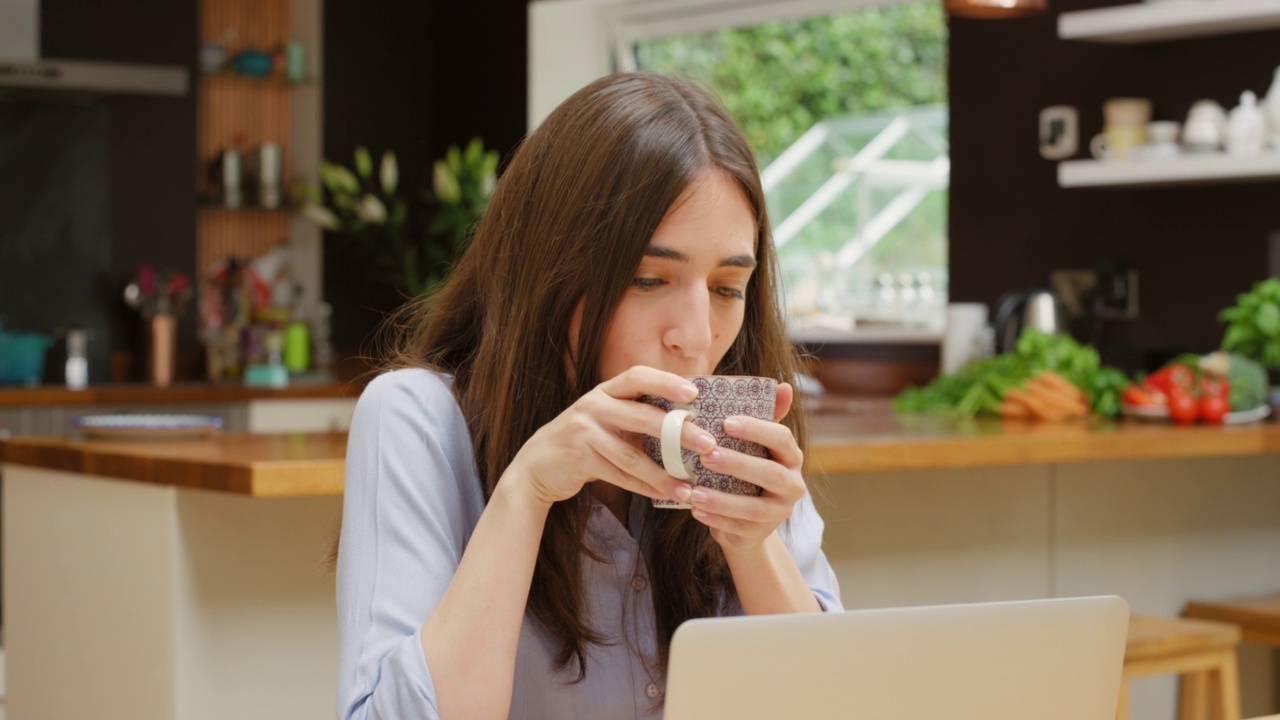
<point>258,465</point>
<point>866,435</point>
<point>849,436</point>
<point>918,509</point>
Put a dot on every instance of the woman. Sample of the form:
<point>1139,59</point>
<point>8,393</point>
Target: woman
<point>499,553</point>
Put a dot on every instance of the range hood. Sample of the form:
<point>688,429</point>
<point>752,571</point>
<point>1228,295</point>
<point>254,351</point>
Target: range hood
<point>21,66</point>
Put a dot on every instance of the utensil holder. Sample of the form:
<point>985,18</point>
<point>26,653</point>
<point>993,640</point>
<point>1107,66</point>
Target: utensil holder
<point>164,328</point>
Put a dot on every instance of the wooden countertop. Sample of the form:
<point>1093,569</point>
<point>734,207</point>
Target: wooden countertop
<point>141,393</point>
<point>867,436</point>
<point>259,465</point>
<point>848,436</point>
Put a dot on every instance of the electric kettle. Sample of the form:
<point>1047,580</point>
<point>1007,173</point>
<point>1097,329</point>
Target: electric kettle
<point>1037,308</point>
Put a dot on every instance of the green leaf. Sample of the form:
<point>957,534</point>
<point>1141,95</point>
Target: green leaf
<point>364,162</point>
<point>1268,319</point>
<point>474,148</point>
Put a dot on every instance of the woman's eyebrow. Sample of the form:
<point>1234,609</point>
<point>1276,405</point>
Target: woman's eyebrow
<point>742,261</point>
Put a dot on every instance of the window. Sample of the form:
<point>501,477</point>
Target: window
<point>845,105</point>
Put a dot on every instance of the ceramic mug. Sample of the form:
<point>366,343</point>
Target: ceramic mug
<point>719,397</point>
<point>1124,128</point>
<point>1118,142</point>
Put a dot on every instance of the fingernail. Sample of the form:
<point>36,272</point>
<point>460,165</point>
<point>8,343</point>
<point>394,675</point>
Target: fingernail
<point>712,457</point>
<point>700,514</point>
<point>690,390</point>
<point>682,493</point>
<point>706,443</point>
<point>732,425</point>
<point>699,495</point>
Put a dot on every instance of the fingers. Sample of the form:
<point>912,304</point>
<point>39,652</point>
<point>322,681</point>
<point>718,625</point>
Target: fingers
<point>775,478</point>
<point>642,380</point>
<point>774,436</point>
<point>786,395</point>
<point>644,419</point>
<point>624,465</point>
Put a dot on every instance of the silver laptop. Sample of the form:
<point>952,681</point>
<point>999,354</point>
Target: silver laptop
<point>1025,660</point>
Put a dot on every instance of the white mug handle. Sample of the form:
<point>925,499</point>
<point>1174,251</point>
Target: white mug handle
<point>1098,147</point>
<point>672,426</point>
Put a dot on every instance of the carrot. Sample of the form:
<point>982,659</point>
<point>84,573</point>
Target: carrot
<point>1063,385</point>
<point>1065,404</point>
<point>1038,407</point>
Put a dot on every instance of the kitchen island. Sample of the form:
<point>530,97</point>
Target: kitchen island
<point>194,569</point>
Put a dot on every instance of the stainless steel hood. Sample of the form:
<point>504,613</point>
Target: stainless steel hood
<point>21,66</point>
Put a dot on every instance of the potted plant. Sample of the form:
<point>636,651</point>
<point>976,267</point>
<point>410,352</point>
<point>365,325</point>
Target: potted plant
<point>1253,329</point>
<point>375,212</point>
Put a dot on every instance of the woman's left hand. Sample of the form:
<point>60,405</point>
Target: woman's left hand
<point>743,522</point>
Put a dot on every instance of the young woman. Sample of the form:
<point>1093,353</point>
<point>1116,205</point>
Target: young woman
<point>499,555</point>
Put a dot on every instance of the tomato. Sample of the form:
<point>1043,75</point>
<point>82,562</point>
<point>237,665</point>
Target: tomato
<point>1182,407</point>
<point>1214,386</point>
<point>1172,377</point>
<point>1213,408</point>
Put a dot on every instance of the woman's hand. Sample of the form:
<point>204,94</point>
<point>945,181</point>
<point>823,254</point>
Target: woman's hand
<point>742,522</point>
<point>597,438</point>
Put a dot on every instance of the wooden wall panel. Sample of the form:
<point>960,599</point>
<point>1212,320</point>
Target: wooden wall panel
<point>244,113</point>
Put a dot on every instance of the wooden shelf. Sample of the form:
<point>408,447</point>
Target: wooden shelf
<point>1207,169</point>
<point>1144,22</point>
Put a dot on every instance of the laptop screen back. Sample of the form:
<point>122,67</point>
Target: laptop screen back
<point>1025,660</point>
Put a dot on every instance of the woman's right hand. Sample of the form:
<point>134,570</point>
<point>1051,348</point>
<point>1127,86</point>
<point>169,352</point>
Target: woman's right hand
<point>598,438</point>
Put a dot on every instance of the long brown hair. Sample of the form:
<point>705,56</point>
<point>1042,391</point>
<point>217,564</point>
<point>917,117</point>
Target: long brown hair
<point>568,223</point>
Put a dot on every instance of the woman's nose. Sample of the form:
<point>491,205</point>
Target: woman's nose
<point>689,325</point>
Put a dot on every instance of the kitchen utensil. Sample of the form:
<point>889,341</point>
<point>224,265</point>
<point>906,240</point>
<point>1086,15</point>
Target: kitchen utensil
<point>1205,127</point>
<point>1037,308</point>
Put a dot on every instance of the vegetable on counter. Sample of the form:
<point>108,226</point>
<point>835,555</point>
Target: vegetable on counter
<point>1048,377</point>
<point>1206,388</point>
<point>1253,324</point>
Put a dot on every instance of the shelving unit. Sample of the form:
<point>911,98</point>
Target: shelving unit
<point>1216,168</point>
<point>1148,22</point>
<point>1144,22</point>
<point>251,110</point>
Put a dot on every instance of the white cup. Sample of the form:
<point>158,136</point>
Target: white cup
<point>962,338</point>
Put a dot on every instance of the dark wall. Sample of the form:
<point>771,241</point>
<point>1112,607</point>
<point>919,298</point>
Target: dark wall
<point>413,78</point>
<point>152,165</point>
<point>1195,247</point>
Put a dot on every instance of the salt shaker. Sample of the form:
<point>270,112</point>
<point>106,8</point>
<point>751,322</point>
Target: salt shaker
<point>77,368</point>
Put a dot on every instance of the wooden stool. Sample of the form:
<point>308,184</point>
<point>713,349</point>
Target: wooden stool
<point>1258,617</point>
<point>1203,652</point>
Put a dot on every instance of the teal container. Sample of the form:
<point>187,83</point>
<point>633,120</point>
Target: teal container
<point>22,357</point>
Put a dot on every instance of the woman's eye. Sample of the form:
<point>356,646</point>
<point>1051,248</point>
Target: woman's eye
<point>647,283</point>
<point>730,292</point>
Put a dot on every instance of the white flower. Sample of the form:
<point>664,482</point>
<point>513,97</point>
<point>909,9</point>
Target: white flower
<point>339,179</point>
<point>320,215</point>
<point>390,172</point>
<point>371,210</point>
<point>445,184</point>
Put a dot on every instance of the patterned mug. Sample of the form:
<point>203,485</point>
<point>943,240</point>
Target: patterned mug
<point>719,397</point>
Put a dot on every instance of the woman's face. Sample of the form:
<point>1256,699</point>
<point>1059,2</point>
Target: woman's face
<point>686,303</point>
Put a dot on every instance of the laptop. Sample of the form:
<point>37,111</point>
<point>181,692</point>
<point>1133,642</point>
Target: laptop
<point>1026,660</point>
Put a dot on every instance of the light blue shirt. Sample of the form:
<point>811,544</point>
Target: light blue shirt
<point>411,502</point>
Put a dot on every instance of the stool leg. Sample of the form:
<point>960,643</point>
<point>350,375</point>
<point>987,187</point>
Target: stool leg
<point>1193,696</point>
<point>1122,707</point>
<point>1225,688</point>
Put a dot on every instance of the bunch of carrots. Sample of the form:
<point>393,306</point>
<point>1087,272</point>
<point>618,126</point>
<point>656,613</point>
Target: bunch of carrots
<point>1046,396</point>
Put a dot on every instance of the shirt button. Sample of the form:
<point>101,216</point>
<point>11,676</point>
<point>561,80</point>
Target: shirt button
<point>637,582</point>
<point>652,691</point>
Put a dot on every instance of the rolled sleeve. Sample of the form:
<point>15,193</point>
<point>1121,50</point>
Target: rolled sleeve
<point>410,502</point>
